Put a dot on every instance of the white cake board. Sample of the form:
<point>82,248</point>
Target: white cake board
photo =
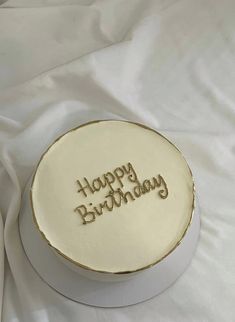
<point>67,282</point>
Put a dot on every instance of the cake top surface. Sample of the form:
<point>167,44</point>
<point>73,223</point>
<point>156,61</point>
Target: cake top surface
<point>112,196</point>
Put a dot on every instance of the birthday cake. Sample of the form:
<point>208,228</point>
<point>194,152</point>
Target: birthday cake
<point>112,197</point>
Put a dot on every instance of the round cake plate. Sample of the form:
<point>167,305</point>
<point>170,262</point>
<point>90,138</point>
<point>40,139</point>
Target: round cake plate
<point>67,282</point>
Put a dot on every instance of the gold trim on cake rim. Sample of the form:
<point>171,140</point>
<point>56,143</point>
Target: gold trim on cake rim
<point>87,267</point>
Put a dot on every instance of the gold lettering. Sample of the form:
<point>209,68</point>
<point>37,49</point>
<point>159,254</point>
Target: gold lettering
<point>98,211</point>
<point>82,210</point>
<point>97,184</point>
<point>147,185</point>
<point>115,198</point>
<point>155,183</point>
<point>130,170</point>
<point>113,194</point>
<point>124,195</point>
<point>105,205</point>
<point>164,192</point>
<point>137,190</point>
<point>119,174</point>
<point>109,178</point>
<point>87,186</point>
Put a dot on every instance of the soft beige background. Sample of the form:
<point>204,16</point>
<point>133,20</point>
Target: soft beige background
<point>169,64</point>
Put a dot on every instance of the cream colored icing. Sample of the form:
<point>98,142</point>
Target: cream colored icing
<point>128,238</point>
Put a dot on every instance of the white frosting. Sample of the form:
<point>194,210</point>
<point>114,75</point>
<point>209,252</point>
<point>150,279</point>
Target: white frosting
<point>137,233</point>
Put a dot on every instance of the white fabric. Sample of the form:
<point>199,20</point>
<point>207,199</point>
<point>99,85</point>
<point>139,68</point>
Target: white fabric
<point>169,64</point>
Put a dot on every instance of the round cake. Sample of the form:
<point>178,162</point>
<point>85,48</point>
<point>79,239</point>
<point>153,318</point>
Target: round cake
<point>112,196</point>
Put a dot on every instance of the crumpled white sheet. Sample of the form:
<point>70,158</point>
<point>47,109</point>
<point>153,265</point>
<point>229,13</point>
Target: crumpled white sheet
<point>169,64</point>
